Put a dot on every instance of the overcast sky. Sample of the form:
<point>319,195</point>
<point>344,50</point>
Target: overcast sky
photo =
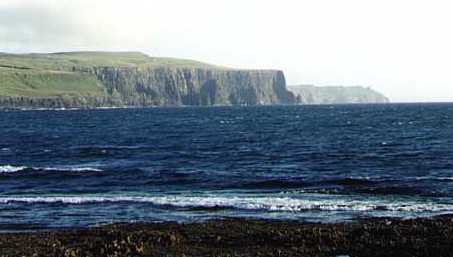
<point>402,48</point>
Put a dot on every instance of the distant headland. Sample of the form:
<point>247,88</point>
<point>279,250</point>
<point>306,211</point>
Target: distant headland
<point>310,94</point>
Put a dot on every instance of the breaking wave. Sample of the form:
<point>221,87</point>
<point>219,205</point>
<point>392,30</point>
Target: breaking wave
<point>11,169</point>
<point>7,169</point>
<point>261,203</point>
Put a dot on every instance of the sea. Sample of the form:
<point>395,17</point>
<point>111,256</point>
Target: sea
<point>321,163</point>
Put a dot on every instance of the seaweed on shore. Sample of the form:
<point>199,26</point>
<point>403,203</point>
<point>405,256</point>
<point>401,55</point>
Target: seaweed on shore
<point>428,237</point>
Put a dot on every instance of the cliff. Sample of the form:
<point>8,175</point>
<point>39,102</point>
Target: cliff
<point>101,79</point>
<point>308,94</point>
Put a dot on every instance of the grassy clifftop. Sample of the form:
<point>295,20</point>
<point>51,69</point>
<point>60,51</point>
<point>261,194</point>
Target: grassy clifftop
<point>67,60</point>
<point>47,83</point>
<point>58,74</point>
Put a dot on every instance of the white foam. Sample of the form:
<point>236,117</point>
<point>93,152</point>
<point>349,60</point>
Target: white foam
<point>273,203</point>
<point>433,178</point>
<point>445,178</point>
<point>11,169</point>
<point>73,169</point>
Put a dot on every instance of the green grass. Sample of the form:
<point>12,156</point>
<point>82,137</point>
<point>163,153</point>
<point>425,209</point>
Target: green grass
<point>35,83</point>
<point>56,74</point>
<point>66,61</point>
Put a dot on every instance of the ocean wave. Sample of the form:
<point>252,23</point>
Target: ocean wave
<point>435,178</point>
<point>445,178</point>
<point>302,183</point>
<point>273,204</point>
<point>7,169</point>
<point>352,182</point>
<point>11,169</point>
<point>274,184</point>
<point>73,169</point>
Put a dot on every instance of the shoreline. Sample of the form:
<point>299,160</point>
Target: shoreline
<point>27,109</point>
<point>242,237</point>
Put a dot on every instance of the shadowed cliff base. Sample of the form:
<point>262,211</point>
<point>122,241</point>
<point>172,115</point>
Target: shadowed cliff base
<point>240,237</point>
<point>104,79</point>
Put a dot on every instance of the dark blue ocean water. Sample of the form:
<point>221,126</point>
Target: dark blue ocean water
<point>80,168</point>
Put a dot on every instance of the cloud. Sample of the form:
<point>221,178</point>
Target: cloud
<point>42,25</point>
<point>35,24</point>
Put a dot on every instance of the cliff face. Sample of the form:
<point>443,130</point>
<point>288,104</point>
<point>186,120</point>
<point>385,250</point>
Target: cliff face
<point>170,82</point>
<point>193,86</point>
<point>308,94</point>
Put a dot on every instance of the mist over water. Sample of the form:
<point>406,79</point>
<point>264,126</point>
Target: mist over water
<point>316,163</point>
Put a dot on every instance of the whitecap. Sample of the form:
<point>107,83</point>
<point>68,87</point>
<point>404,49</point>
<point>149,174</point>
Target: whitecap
<point>433,178</point>
<point>262,203</point>
<point>72,169</point>
<point>445,178</point>
<point>11,169</point>
<point>75,168</point>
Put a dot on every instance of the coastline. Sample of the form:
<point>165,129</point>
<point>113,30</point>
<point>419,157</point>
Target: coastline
<point>27,109</point>
<point>242,237</point>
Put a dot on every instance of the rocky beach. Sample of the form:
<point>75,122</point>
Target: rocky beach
<point>421,237</point>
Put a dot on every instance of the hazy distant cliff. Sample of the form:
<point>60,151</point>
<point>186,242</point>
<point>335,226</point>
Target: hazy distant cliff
<point>308,94</point>
<point>97,79</point>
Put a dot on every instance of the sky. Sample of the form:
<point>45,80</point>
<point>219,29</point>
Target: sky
<point>402,48</point>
